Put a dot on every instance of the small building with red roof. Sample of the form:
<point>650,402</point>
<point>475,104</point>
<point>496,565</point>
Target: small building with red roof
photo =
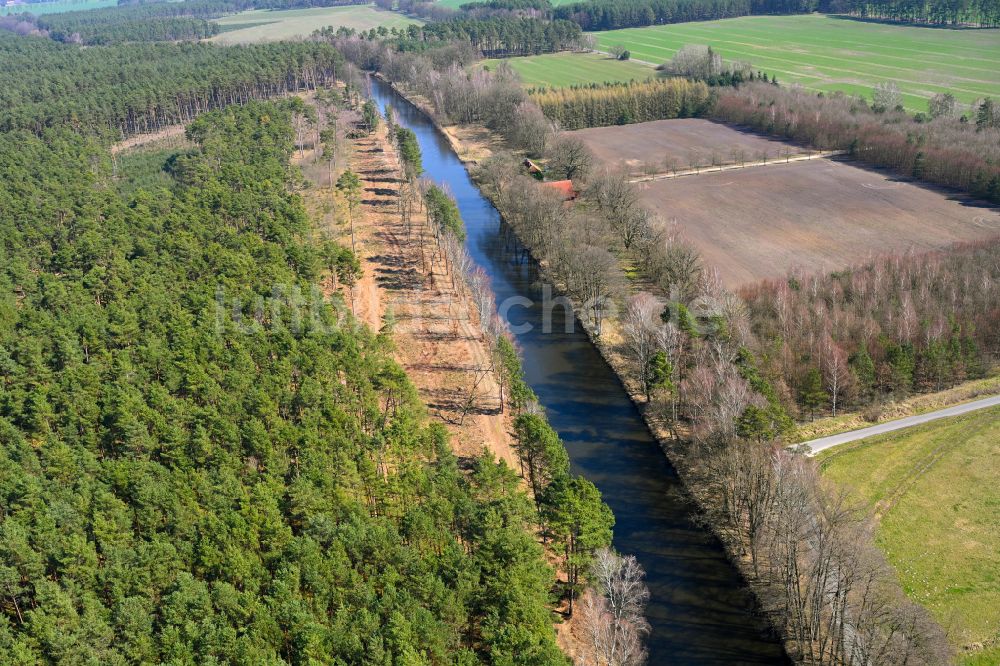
<point>563,187</point>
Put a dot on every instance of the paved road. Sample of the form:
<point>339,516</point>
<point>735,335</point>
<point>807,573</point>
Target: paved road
<point>817,445</point>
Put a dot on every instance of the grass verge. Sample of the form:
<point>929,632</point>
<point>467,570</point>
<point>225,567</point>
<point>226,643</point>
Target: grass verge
<point>934,491</point>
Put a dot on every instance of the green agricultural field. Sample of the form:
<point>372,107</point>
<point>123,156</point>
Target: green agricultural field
<point>825,53</point>
<point>934,488</point>
<point>39,8</point>
<point>567,69</point>
<point>455,4</point>
<point>266,26</point>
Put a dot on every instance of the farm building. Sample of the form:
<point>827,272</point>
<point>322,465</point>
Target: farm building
<point>532,168</point>
<point>564,187</point>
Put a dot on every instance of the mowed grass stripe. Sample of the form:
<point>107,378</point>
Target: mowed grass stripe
<point>678,33</point>
<point>910,100</point>
<point>669,52</point>
<point>803,35</point>
<point>808,41</point>
<point>816,53</point>
<point>818,65</point>
<point>810,36</point>
<point>836,53</point>
<point>789,75</point>
<point>759,59</point>
<point>813,29</point>
<point>756,53</point>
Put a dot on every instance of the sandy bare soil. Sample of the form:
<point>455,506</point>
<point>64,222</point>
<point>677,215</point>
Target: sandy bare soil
<point>437,340</point>
<point>818,215</point>
<point>140,140</point>
<point>664,145</point>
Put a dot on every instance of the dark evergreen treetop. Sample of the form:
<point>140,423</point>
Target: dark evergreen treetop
<point>130,88</point>
<point>179,484</point>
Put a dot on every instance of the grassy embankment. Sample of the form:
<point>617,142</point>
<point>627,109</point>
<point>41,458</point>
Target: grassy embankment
<point>933,489</point>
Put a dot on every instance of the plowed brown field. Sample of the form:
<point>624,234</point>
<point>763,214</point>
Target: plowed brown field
<point>663,145</point>
<point>817,215</point>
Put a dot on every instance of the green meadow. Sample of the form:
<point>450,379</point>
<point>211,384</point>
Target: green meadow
<point>267,26</point>
<point>568,69</point>
<point>455,4</point>
<point>825,53</point>
<point>934,490</point>
<point>39,8</point>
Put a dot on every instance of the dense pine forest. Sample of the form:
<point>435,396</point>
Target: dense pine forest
<point>190,477</point>
<point>982,13</point>
<point>123,90</point>
<point>494,36</point>
<point>179,485</point>
<point>132,24</point>
<point>615,14</point>
<point>621,104</point>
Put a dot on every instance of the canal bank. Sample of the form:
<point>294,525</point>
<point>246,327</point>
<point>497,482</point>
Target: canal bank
<point>700,609</point>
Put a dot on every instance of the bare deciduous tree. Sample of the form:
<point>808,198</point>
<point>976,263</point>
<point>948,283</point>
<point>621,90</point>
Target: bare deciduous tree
<point>941,105</point>
<point>644,334</point>
<point>618,201</point>
<point>569,157</point>
<point>675,264</point>
<point>593,273</point>
<point>836,374</point>
<point>612,616</point>
<point>886,96</point>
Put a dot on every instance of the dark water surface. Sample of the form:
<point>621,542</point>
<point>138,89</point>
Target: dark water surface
<point>699,608</point>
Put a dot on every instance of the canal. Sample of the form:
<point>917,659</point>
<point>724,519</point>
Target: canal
<point>700,610</point>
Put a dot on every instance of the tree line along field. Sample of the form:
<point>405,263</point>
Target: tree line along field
<point>569,69</point>
<point>825,53</point>
<point>933,489</point>
<point>263,25</point>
